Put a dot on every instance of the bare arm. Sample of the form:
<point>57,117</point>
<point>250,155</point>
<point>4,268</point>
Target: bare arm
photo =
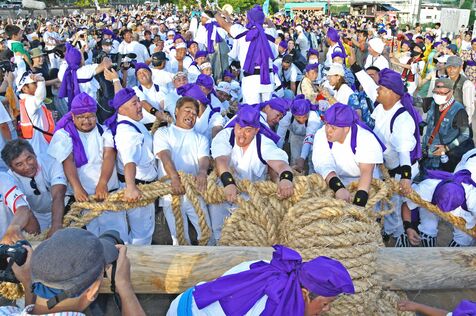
<point>58,192</point>
<point>224,24</point>
<point>22,220</point>
<point>107,168</point>
<point>5,131</point>
<point>366,172</point>
<point>71,173</point>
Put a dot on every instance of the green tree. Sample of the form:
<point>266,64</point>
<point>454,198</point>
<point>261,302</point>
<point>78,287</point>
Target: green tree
<point>90,3</point>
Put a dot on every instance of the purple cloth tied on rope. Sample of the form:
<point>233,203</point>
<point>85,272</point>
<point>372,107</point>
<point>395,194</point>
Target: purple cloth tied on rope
<point>82,103</point>
<point>281,280</point>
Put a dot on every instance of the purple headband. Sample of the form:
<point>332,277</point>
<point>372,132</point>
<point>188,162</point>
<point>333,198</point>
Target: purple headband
<point>205,81</point>
<point>283,44</point>
<point>247,116</point>
<point>333,34</point>
<point>201,53</point>
<point>281,280</point>
<point>107,32</point>
<point>407,43</point>
<point>279,104</point>
<point>259,52</point>
<point>193,90</point>
<point>430,38</point>
<point>178,36</point>
<point>124,95</point>
<point>446,40</point>
<point>449,194</point>
<point>473,40</point>
<point>338,54</point>
<point>139,66</point>
<point>301,106</point>
<point>465,308</point>
<point>191,43</point>
<point>310,67</point>
<point>312,51</point>
<point>70,85</point>
<point>82,103</point>
<point>227,73</point>
<point>436,44</point>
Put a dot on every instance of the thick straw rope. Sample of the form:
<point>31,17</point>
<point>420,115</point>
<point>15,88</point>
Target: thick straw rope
<point>311,221</point>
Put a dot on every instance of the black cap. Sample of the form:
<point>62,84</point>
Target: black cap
<point>159,56</point>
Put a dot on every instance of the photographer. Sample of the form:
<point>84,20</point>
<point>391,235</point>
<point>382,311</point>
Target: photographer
<point>66,271</point>
<point>160,75</point>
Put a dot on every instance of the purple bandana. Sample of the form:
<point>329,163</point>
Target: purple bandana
<point>465,308</point>
<point>436,44</point>
<point>473,40</point>
<point>124,95</point>
<point>82,103</point>
<point>107,32</point>
<point>333,35</point>
<point>193,90</point>
<point>449,194</point>
<point>191,43</point>
<point>392,80</point>
<point>283,44</point>
<point>205,81</point>
<point>227,73</point>
<point>302,106</point>
<point>139,66</point>
<point>310,67</point>
<point>178,36</point>
<point>280,280</point>
<point>279,104</point>
<point>312,51</point>
<point>249,115</point>
<point>446,40</point>
<point>430,38</point>
<point>209,26</point>
<point>338,54</point>
<point>201,53</point>
<point>70,85</point>
<point>342,115</point>
<point>259,53</point>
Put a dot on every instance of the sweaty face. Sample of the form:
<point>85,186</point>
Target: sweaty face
<point>85,122</point>
<point>132,109</point>
<point>335,133</point>
<point>383,93</point>
<point>272,116</point>
<point>244,135</point>
<point>318,306</point>
<point>25,164</point>
<point>144,76</point>
<point>186,115</point>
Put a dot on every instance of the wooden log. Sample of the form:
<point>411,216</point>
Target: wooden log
<point>171,270</point>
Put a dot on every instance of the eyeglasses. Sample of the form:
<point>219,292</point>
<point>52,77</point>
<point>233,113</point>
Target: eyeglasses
<point>34,186</point>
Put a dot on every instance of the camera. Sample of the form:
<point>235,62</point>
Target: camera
<point>7,66</point>
<point>17,254</point>
<point>128,60</point>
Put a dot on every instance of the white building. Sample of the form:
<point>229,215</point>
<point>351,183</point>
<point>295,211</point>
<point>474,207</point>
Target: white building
<point>430,13</point>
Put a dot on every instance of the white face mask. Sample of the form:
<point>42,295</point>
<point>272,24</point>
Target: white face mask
<point>439,99</point>
<point>313,61</point>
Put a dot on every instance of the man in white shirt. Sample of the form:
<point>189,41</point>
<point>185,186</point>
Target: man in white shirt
<point>51,39</point>
<point>135,162</point>
<point>375,57</point>
<point>180,148</point>
<point>41,179</point>
<point>194,69</point>
<point>258,81</point>
<point>302,41</point>
<point>128,46</point>
<point>290,75</point>
<point>89,161</point>
<point>244,148</point>
<point>346,151</point>
<point>179,80</point>
<point>160,75</point>
<point>15,213</point>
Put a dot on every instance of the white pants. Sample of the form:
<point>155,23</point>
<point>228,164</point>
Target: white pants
<point>218,213</point>
<point>141,223</point>
<point>254,92</point>
<point>429,225</point>
<point>109,220</point>
<point>188,213</point>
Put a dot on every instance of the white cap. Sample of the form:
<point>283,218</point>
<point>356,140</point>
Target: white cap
<point>336,69</point>
<point>180,45</point>
<point>224,86</point>
<point>170,33</point>
<point>24,79</point>
<point>377,45</point>
<point>205,66</point>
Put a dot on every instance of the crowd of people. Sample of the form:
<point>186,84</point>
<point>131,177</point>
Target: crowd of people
<point>97,103</point>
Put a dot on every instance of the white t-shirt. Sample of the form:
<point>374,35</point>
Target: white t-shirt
<point>207,121</point>
<point>164,79</point>
<point>401,140</point>
<point>4,119</point>
<point>11,197</point>
<point>135,147</point>
<point>186,147</point>
<point>61,147</point>
<point>136,48</point>
<point>85,72</point>
<point>153,96</point>
<point>215,309</point>
<point>293,74</point>
<point>341,159</point>
<point>342,95</point>
<point>380,62</point>
<point>246,163</point>
<point>50,173</point>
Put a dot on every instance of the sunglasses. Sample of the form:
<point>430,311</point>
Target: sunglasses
<point>34,186</point>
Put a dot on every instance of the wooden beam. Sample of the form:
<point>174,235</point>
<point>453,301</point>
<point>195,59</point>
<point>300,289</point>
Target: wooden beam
<point>171,270</point>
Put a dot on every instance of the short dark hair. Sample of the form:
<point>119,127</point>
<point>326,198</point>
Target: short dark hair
<point>11,30</point>
<point>125,32</point>
<point>181,102</point>
<point>147,32</point>
<point>14,148</point>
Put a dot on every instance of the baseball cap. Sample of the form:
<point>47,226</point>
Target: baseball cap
<point>69,262</point>
<point>24,79</point>
<point>336,69</point>
<point>159,56</point>
<point>444,83</point>
<point>453,48</point>
<point>454,61</point>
